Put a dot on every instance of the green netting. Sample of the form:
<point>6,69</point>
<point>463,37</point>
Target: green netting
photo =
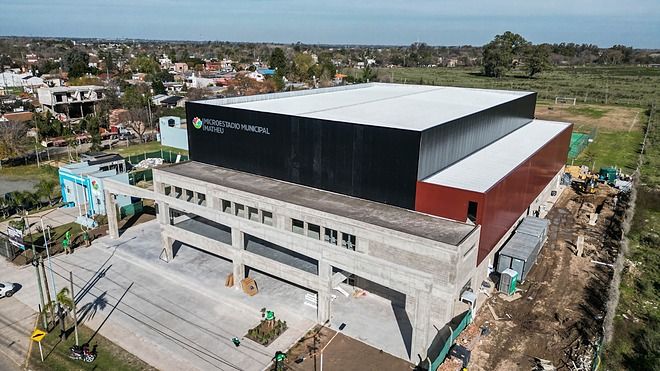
<point>450,340</point>
<point>578,143</point>
<point>140,176</point>
<point>130,209</point>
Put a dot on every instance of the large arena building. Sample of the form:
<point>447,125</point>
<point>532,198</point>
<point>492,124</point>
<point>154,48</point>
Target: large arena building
<point>404,191</point>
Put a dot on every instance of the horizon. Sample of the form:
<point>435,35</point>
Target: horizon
<point>604,23</point>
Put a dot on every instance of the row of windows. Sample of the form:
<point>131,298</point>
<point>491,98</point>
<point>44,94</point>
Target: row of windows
<point>242,211</point>
<point>314,231</point>
<point>185,194</point>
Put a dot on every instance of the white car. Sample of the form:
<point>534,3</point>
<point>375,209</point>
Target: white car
<point>6,289</point>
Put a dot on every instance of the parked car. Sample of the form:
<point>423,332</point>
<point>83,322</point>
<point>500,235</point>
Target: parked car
<point>6,289</point>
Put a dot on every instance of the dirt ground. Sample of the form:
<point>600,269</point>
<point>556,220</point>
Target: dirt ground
<point>343,353</point>
<point>557,313</point>
<point>614,118</point>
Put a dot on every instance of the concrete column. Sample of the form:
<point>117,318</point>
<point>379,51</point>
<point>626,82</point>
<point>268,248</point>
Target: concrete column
<point>163,212</point>
<point>237,241</point>
<point>111,210</point>
<point>421,325</point>
<point>324,295</point>
<point>168,243</point>
<point>238,268</point>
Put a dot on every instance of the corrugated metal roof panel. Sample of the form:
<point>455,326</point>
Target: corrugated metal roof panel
<point>483,169</point>
<point>411,107</point>
<point>521,246</point>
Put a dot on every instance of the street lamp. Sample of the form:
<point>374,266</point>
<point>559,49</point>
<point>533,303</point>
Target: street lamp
<point>341,327</point>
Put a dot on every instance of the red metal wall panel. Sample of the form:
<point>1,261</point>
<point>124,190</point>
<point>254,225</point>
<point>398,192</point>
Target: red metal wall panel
<point>500,206</point>
<point>447,202</point>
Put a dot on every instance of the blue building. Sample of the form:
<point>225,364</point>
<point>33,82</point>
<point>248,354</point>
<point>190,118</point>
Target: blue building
<point>82,184</point>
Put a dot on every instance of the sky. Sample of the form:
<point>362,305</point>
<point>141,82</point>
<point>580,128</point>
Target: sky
<point>381,22</point>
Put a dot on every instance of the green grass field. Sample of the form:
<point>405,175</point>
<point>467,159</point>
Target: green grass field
<point>110,356</point>
<point>621,85</point>
<point>28,172</point>
<point>636,341</point>
<point>618,149</point>
<point>136,149</point>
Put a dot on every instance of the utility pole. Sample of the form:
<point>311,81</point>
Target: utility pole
<point>35,263</point>
<point>50,298</point>
<point>73,310</point>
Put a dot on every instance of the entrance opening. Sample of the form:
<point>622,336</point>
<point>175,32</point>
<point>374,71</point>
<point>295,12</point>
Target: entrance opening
<point>472,211</point>
<point>280,254</point>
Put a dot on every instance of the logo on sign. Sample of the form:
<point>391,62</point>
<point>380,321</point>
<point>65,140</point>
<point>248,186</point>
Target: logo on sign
<point>197,122</point>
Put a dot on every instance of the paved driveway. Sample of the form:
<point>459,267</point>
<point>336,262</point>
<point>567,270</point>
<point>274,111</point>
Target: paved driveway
<point>16,323</point>
<point>170,322</point>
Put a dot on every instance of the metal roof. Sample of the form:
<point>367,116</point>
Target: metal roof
<point>486,167</point>
<point>410,107</point>
<point>534,226</point>
<point>521,246</point>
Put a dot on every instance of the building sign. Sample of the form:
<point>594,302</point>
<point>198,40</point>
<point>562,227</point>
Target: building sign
<point>16,237</point>
<point>220,126</point>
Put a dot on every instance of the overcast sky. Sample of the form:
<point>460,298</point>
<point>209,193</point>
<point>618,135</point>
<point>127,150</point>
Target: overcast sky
<point>401,22</point>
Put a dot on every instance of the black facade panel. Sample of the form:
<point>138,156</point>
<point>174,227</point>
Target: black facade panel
<point>369,162</point>
<point>450,142</point>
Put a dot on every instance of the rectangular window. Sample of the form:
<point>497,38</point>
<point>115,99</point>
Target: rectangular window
<point>266,217</point>
<point>314,231</point>
<point>297,226</point>
<point>348,241</point>
<point>330,236</point>
<point>167,190</point>
<point>472,211</point>
<point>190,195</point>
<point>178,192</point>
<point>239,210</point>
<point>253,214</point>
<point>226,206</point>
<point>201,199</point>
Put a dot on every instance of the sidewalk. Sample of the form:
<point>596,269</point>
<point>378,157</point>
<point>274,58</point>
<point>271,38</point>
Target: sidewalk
<point>169,322</point>
<point>16,324</point>
<point>52,217</point>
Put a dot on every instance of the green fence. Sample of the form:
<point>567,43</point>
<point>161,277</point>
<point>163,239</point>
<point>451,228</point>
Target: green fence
<point>140,176</point>
<point>579,141</point>
<point>131,209</point>
<point>167,156</point>
<point>444,343</point>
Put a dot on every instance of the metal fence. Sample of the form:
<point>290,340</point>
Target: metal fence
<point>579,141</point>
<point>136,177</point>
<point>7,250</point>
<point>167,156</point>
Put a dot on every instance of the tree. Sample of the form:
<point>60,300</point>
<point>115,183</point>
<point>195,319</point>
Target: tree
<point>45,188</point>
<point>93,127</point>
<point>537,59</point>
<point>133,98</point>
<point>138,117</point>
<point>278,60</point>
<point>158,87</point>
<point>12,138</point>
<point>498,54</point>
<point>77,63</point>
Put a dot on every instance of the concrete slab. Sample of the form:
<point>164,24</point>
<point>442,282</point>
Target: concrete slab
<point>171,322</point>
<point>370,319</point>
